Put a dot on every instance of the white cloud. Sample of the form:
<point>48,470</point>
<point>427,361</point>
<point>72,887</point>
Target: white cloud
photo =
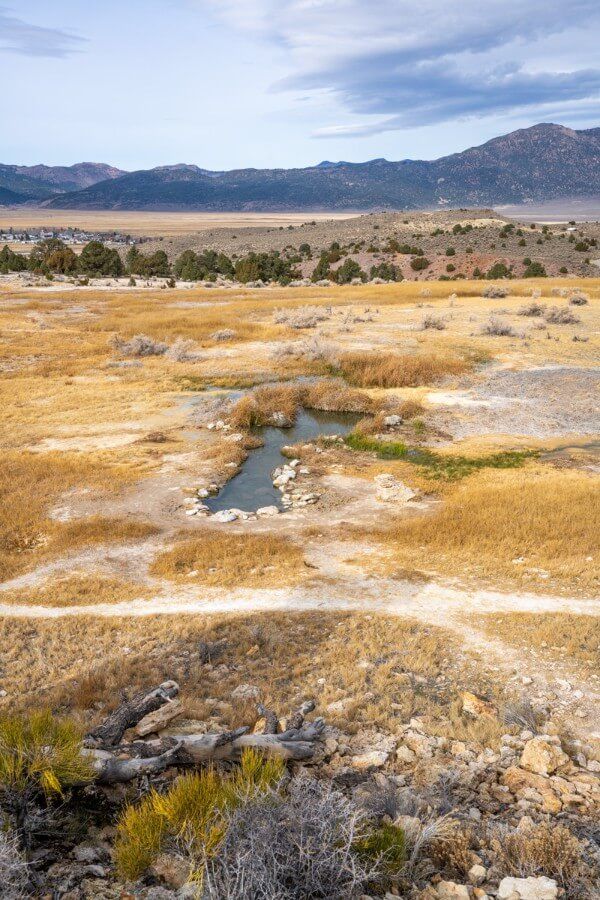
<point>409,62</point>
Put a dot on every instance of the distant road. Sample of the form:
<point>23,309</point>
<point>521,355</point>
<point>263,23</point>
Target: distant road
<point>554,211</point>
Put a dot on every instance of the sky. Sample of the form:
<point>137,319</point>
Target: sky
<point>279,83</point>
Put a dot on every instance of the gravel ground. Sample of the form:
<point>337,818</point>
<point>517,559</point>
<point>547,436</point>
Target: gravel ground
<point>541,402</point>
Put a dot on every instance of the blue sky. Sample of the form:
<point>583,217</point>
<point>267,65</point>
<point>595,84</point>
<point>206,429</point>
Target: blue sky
<point>232,83</point>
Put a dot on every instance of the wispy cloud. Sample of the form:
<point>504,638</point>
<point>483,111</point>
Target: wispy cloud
<point>18,36</point>
<point>402,63</point>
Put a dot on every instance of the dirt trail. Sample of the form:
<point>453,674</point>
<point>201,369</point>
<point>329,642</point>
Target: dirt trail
<point>441,604</point>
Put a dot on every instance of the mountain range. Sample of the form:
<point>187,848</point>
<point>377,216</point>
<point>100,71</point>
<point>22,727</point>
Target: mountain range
<point>544,162</point>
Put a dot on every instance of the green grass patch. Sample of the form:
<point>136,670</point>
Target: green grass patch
<point>450,467</point>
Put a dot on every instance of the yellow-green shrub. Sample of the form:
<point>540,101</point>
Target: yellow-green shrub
<point>191,813</point>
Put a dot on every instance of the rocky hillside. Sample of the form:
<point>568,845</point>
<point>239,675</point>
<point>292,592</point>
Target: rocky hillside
<point>20,184</point>
<point>540,163</point>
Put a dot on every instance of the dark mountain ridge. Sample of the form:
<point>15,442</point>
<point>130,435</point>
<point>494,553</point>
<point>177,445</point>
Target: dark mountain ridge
<point>29,183</point>
<point>544,162</point>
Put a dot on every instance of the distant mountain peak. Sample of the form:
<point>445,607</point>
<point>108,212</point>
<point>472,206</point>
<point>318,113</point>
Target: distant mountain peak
<point>544,162</point>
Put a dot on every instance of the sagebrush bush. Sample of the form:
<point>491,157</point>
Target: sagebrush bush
<point>295,847</point>
<point>544,849</point>
<point>138,345</point>
<point>532,309</point>
<point>561,315</point>
<point>495,292</point>
<point>496,327</point>
<point>14,878</point>
<point>302,316</point>
<point>433,322</point>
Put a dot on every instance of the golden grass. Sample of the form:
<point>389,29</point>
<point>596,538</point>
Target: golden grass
<point>390,370</point>
<point>520,523</point>
<point>233,560</point>
<point>564,636</point>
<point>30,484</point>
<point>74,590</point>
<point>386,668</point>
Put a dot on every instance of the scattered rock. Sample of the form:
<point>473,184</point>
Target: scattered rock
<point>541,757</point>
<point>390,489</point>
<point>159,719</point>
<point>374,759</point>
<point>246,692</point>
<point>528,889</point>
<point>477,707</point>
<point>450,890</point>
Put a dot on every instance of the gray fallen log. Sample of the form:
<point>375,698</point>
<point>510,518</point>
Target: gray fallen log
<point>110,732</point>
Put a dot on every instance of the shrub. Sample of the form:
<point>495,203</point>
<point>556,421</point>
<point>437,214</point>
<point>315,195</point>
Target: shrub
<point>385,846</point>
<point>498,270</point>
<point>544,849</point>
<point>386,271</point>
<point>191,815</point>
<point>285,849</point>
<point>39,755</point>
<point>13,868</point>
<point>180,350</point>
<point>348,271</point>
<point>138,345</point>
<point>302,317</point>
<point>431,321</point>
<point>561,315</point>
<point>419,263</point>
<point>496,327</point>
<point>495,292</point>
<point>534,270</point>
<point>532,309</point>
<point>579,299</point>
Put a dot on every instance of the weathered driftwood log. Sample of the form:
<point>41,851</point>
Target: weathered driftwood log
<point>115,762</point>
<point>111,770</point>
<point>110,732</point>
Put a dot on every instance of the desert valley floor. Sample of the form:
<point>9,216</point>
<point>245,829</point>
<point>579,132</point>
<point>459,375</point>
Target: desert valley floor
<point>438,540</point>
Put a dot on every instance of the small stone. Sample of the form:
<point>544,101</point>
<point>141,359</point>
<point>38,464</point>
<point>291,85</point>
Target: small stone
<point>450,890</point>
<point>477,707</point>
<point>373,759</point>
<point>477,874</point>
<point>266,512</point>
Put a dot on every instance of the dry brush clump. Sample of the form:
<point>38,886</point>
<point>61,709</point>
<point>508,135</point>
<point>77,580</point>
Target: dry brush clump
<point>532,309</point>
<point>302,316</point>
<point>389,370</point>
<point>432,322</point>
<point>14,873</point>
<point>561,315</point>
<point>546,849</point>
<point>138,345</point>
<point>497,327</point>
<point>495,292</point>
<point>232,560</point>
<point>579,299</point>
<point>310,839</point>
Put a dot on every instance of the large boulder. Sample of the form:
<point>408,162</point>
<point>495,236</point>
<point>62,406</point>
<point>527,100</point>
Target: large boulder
<point>528,889</point>
<point>541,757</point>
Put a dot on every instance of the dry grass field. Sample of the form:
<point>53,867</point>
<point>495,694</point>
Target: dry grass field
<point>153,224</point>
<point>105,444</point>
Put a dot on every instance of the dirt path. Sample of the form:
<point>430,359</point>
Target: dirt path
<point>553,682</point>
